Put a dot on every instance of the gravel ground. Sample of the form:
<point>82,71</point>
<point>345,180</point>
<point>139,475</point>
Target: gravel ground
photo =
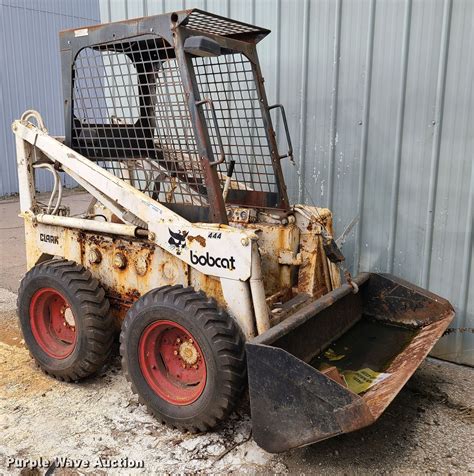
<point>429,428</point>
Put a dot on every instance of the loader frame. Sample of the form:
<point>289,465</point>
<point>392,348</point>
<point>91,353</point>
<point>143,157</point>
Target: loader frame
<point>229,254</point>
<point>176,222</point>
<point>234,248</point>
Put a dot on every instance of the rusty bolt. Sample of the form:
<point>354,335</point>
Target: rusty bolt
<point>169,271</point>
<point>119,261</point>
<point>141,265</point>
<point>94,256</point>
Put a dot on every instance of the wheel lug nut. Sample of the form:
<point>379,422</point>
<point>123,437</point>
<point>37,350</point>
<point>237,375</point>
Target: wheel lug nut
<point>178,340</point>
<point>175,352</point>
<point>184,366</point>
<point>190,341</point>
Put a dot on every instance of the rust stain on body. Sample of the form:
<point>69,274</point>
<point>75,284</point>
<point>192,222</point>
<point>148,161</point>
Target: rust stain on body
<point>405,364</point>
<point>200,239</point>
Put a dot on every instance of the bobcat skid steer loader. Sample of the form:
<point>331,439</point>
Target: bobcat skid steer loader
<point>191,247</point>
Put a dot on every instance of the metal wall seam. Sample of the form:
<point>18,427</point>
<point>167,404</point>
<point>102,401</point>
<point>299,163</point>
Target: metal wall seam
<point>277,64</point>
<point>303,103</point>
<point>334,98</point>
<point>435,151</point>
<point>365,133</point>
<point>399,135</point>
<point>467,252</point>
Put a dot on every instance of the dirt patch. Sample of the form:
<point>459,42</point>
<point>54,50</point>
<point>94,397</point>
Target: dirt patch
<point>19,376</point>
<point>9,332</point>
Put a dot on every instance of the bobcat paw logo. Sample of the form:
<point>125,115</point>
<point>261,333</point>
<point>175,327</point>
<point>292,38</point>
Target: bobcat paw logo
<point>177,240</point>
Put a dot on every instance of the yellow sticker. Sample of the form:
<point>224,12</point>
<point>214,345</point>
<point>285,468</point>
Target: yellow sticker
<point>332,356</point>
<point>360,381</point>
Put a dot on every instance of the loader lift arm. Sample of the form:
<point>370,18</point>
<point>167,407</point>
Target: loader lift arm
<point>234,250</point>
<point>120,196</point>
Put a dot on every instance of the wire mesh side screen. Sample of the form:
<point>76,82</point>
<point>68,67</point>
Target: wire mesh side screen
<point>130,115</point>
<point>229,82</point>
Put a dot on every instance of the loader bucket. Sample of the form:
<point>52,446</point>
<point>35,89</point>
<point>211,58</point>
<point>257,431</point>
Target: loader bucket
<point>336,364</point>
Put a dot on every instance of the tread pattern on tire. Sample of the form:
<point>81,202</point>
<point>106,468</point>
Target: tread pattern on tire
<point>227,340</point>
<point>94,306</point>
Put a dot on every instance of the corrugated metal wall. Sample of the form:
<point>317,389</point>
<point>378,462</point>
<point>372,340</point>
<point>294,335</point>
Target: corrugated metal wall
<point>380,103</point>
<point>381,107</point>
<point>30,72</point>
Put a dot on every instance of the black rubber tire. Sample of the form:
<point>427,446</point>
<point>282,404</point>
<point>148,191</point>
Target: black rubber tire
<point>221,343</point>
<point>94,325</point>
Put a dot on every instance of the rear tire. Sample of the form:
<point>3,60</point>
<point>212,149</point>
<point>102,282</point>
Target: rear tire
<point>64,317</point>
<point>184,357</point>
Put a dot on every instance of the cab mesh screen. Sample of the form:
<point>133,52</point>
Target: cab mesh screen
<point>130,115</point>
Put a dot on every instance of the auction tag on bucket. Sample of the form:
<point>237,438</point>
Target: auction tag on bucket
<point>360,381</point>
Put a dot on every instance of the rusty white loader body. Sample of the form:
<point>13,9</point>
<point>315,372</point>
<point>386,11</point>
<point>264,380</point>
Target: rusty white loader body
<point>191,247</point>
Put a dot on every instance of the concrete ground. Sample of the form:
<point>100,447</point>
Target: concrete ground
<point>427,429</point>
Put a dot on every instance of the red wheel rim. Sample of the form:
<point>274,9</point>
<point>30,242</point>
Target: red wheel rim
<point>172,362</point>
<point>52,323</point>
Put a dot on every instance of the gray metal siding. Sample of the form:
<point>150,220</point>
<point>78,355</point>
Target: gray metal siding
<point>30,73</point>
<point>380,102</point>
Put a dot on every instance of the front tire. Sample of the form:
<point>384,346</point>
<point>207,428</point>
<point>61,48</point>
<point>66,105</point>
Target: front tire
<point>184,357</point>
<point>64,317</point>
